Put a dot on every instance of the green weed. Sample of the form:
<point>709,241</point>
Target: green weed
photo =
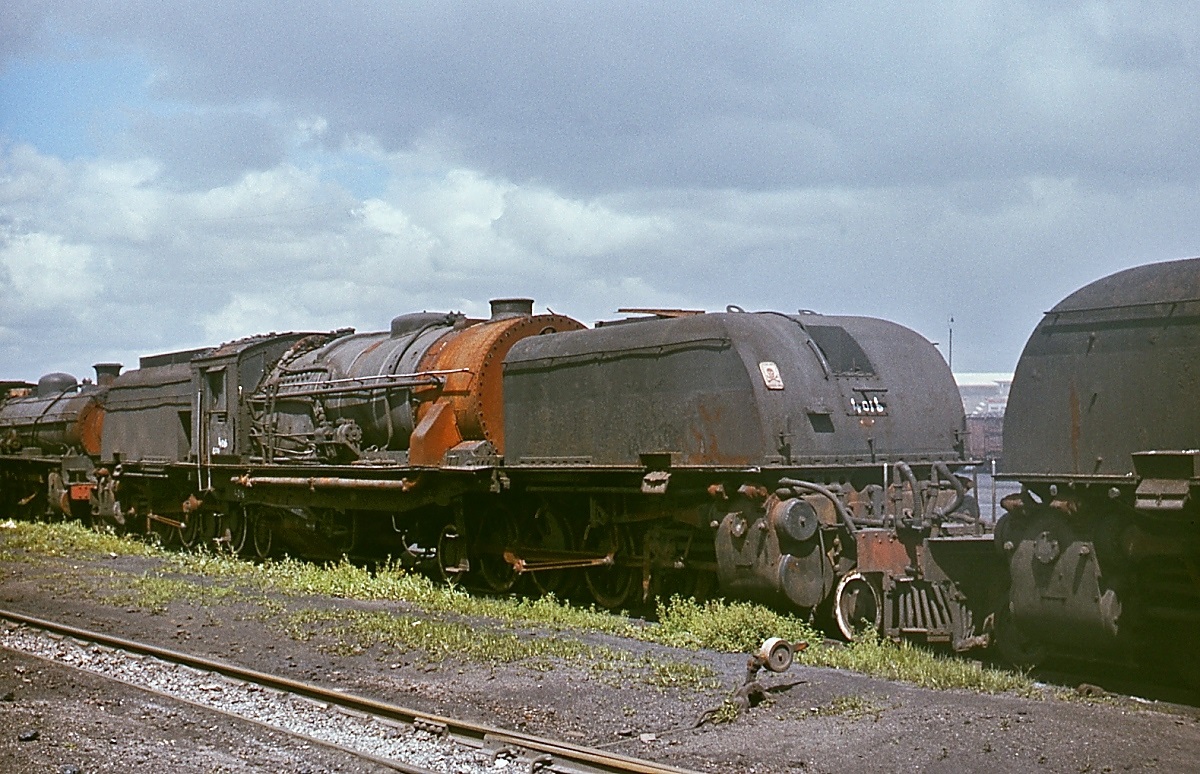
<point>70,539</point>
<point>873,655</point>
<point>731,627</point>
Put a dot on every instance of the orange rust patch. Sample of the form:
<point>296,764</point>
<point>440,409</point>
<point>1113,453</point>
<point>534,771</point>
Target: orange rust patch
<point>474,395</point>
<point>90,424</point>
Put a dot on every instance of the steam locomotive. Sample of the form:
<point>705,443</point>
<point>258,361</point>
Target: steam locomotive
<point>1102,546</point>
<point>805,460</point>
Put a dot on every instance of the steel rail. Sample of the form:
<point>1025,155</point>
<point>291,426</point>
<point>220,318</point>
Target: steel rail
<point>403,768</point>
<point>564,756</point>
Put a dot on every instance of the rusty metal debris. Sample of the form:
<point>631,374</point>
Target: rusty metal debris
<point>775,654</point>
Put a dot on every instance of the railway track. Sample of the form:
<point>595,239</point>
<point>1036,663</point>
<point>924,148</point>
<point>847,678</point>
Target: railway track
<point>535,754</point>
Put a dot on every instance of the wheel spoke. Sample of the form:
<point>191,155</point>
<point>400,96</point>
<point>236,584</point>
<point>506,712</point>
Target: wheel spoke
<point>491,569</point>
<point>262,535</point>
<point>611,586</point>
<point>549,532</point>
<point>235,528</point>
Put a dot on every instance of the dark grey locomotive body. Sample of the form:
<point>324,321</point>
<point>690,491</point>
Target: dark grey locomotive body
<point>1103,431</point>
<point>58,415</point>
<point>772,456</point>
<point>734,390</point>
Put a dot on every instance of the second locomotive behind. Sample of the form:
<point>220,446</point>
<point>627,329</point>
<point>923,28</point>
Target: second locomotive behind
<point>1102,546</point>
<point>802,459</point>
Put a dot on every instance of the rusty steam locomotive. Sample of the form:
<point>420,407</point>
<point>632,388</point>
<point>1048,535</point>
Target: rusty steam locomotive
<point>801,459</point>
<point>1102,547</point>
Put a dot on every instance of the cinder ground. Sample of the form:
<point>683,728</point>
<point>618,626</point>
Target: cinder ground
<point>815,719</point>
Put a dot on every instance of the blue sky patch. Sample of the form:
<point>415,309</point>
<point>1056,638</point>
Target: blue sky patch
<point>70,108</point>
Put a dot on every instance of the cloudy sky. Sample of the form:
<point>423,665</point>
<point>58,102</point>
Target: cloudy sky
<point>177,174</point>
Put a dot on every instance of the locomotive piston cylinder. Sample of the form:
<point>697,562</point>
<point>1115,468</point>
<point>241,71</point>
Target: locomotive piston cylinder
<point>777,555</point>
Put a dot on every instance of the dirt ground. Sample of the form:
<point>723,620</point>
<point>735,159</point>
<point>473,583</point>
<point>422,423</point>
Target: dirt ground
<point>817,720</point>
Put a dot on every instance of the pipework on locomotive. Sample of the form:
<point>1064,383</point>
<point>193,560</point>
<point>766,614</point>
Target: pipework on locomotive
<point>804,460</point>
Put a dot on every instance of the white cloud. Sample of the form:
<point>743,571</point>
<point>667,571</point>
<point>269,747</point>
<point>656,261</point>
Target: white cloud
<point>339,167</point>
<point>42,271</point>
<point>562,228</point>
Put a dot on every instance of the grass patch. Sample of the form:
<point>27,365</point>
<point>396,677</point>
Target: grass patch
<point>70,539</point>
<point>727,712</point>
<point>155,592</point>
<point>358,630</point>
<point>351,632</point>
<point>873,655</point>
<point>731,627</point>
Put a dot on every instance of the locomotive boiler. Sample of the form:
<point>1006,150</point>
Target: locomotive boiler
<point>1101,547</point>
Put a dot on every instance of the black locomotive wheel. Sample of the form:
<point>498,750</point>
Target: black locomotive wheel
<point>235,529</point>
<point>189,533</point>
<point>451,558</point>
<point>690,584</point>
<point>166,534</point>
<point>611,586</point>
<point>549,532</point>
<point>262,535</point>
<point>491,570</point>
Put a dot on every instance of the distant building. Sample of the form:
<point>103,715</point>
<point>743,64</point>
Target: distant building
<point>984,396</point>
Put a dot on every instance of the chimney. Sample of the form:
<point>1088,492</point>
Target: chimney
<point>503,308</point>
<point>106,372</point>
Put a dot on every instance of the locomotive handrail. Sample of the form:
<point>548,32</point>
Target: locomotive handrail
<point>312,483</point>
<point>51,404</point>
<point>679,345</point>
<point>357,384</point>
<point>378,376</point>
<point>371,383</point>
<point>1116,307</point>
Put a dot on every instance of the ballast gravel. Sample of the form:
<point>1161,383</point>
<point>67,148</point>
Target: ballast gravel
<point>289,713</point>
<point>286,712</point>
